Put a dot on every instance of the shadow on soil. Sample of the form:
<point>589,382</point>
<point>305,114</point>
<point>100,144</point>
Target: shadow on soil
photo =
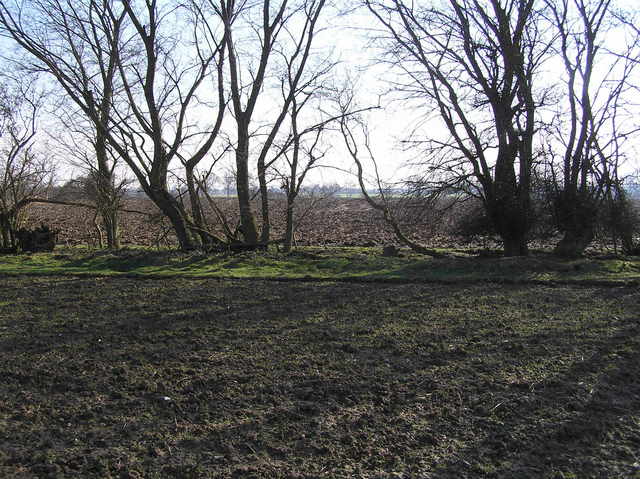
<point>593,433</point>
<point>252,379</point>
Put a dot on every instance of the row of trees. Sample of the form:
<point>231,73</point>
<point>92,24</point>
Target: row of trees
<point>516,96</point>
<point>534,96</point>
<point>149,84</point>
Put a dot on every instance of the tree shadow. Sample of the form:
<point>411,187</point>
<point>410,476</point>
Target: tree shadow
<point>268,379</point>
<point>579,423</point>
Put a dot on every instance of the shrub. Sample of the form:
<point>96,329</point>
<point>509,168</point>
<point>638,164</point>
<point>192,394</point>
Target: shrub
<point>41,238</point>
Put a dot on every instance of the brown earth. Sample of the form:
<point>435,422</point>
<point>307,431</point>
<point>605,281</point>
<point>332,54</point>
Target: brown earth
<point>189,379</point>
<point>335,221</point>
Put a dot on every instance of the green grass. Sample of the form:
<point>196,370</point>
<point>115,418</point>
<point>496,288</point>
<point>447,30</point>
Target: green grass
<point>112,377</point>
<point>366,264</point>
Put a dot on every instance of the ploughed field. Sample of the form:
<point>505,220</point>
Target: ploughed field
<point>334,221</point>
<point>121,377</point>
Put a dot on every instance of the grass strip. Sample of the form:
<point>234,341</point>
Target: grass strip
<point>336,264</point>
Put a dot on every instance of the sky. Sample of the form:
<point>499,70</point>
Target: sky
<point>392,124</point>
<point>388,126</point>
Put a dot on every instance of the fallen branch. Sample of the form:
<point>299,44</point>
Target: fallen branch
<point>352,147</point>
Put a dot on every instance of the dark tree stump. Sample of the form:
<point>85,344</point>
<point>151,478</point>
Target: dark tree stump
<point>37,240</point>
<point>390,251</point>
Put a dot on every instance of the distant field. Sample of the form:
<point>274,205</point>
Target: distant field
<point>178,378</point>
<point>336,221</point>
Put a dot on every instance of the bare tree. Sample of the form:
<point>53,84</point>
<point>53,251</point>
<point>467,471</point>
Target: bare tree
<point>296,83</point>
<point>301,155</point>
<point>356,136</point>
<point>164,93</point>
<point>473,64</point>
<point>307,139</point>
<point>628,18</point>
<point>199,184</point>
<point>102,180</point>
<point>25,173</point>
<point>287,29</point>
<point>596,119</point>
<point>76,43</point>
<point>117,62</point>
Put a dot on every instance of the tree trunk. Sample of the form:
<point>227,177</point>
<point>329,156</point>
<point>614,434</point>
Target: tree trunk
<point>264,203</point>
<point>5,229</point>
<point>288,234</point>
<point>248,226</point>
<point>196,206</point>
<point>515,246</point>
<point>110,222</point>
<point>574,241</point>
<point>107,199</point>
<point>576,212</point>
<point>177,216</point>
<point>510,218</point>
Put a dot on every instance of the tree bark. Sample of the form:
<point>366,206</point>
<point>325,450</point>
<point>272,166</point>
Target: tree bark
<point>8,240</point>
<point>107,200</point>
<point>515,246</point>
<point>196,206</point>
<point>264,203</point>
<point>509,205</point>
<point>574,242</point>
<point>177,216</point>
<point>513,229</point>
<point>110,222</point>
<point>288,234</point>
<point>576,211</point>
<point>248,227</point>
